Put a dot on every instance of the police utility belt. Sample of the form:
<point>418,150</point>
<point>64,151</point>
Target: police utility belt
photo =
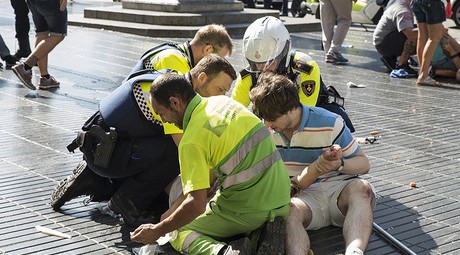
<point>332,96</point>
<point>104,144</point>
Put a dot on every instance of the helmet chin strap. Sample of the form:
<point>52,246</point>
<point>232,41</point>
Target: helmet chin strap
<point>284,62</point>
<point>282,66</point>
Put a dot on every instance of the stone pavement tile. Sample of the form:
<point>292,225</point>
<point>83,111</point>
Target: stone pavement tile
<point>420,238</point>
<point>444,213</point>
<point>417,202</point>
<point>427,241</point>
<point>384,249</point>
<point>448,248</point>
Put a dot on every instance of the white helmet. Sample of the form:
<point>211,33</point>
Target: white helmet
<point>266,45</point>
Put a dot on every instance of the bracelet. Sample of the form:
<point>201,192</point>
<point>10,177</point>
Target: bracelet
<point>342,163</point>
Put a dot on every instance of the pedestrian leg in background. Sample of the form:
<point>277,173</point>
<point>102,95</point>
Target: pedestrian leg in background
<point>267,4</point>
<point>22,27</point>
<point>284,8</point>
<point>6,55</point>
<point>332,12</point>
<point>50,19</point>
<point>249,3</point>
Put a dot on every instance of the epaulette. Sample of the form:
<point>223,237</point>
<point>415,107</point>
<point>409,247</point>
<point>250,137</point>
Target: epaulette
<point>163,46</point>
<point>245,73</point>
<point>301,66</point>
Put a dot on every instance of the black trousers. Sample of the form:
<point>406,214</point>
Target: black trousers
<point>141,166</point>
<point>22,24</point>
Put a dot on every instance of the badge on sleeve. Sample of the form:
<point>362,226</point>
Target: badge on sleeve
<point>308,87</point>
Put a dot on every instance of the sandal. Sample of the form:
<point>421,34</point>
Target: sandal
<point>428,81</point>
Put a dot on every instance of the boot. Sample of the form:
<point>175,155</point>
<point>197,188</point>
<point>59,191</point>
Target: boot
<point>24,49</point>
<point>271,240</point>
<point>132,215</point>
<point>240,246</point>
<point>82,181</point>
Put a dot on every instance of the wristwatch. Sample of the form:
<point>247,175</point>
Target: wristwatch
<point>341,165</point>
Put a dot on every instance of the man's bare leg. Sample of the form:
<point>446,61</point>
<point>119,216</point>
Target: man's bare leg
<point>297,241</point>
<point>355,202</point>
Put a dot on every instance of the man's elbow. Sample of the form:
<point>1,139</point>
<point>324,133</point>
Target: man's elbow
<point>366,167</point>
<point>197,209</point>
<point>197,203</point>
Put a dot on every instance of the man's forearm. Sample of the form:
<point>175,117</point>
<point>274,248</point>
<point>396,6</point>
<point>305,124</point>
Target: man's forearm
<point>193,206</point>
<point>307,177</point>
<point>359,164</point>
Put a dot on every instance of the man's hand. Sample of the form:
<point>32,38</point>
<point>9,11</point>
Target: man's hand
<point>330,160</point>
<point>333,153</point>
<point>295,189</point>
<point>62,5</point>
<point>146,234</point>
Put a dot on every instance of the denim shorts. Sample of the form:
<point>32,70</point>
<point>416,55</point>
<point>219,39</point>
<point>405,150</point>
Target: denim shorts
<point>445,63</point>
<point>429,11</point>
<point>47,16</point>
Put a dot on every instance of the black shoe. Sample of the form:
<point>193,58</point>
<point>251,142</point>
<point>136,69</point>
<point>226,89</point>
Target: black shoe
<point>21,54</point>
<point>240,246</point>
<point>131,215</point>
<point>389,62</point>
<point>271,240</point>
<point>83,181</point>
<point>10,61</point>
<point>411,72</point>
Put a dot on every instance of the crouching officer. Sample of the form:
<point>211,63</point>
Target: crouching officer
<point>129,153</point>
<point>267,48</point>
<point>182,57</point>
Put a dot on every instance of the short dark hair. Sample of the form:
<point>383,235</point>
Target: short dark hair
<point>212,65</point>
<point>171,85</point>
<point>274,96</point>
<point>216,35</point>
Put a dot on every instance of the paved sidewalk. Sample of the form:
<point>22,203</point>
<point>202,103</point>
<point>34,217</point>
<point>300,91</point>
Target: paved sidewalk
<point>419,127</point>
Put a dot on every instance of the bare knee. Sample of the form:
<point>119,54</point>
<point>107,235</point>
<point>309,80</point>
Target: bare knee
<point>358,191</point>
<point>299,213</point>
<point>364,189</point>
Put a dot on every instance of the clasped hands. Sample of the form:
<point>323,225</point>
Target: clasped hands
<point>327,162</point>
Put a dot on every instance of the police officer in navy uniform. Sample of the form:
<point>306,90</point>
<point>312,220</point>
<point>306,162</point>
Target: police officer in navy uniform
<point>129,154</point>
<point>182,57</point>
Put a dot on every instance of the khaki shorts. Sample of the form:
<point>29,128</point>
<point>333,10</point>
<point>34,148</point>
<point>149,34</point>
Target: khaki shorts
<point>176,190</point>
<point>322,197</point>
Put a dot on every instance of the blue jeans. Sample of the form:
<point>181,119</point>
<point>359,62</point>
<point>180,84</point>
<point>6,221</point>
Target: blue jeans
<point>445,63</point>
<point>47,16</point>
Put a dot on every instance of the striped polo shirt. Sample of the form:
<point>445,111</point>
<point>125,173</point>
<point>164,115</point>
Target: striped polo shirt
<point>318,129</point>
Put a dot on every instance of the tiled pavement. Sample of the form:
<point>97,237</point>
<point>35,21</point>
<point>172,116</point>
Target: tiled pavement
<point>420,142</point>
